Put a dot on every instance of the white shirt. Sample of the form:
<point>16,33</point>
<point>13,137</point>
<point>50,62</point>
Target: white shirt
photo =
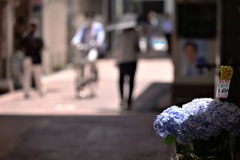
<point>97,30</point>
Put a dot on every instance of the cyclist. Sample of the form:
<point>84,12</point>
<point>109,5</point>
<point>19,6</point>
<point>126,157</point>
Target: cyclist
<point>90,34</point>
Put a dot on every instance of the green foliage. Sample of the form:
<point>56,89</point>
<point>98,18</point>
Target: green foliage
<point>170,139</point>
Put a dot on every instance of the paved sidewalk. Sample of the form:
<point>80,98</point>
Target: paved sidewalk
<point>60,99</point>
<point>60,127</point>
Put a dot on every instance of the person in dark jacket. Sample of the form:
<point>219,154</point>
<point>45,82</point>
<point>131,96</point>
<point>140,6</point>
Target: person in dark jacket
<point>33,45</point>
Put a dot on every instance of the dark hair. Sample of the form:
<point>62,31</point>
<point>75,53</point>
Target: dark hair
<point>189,43</point>
<point>89,14</point>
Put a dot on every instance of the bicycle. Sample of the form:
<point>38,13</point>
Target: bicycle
<point>85,65</point>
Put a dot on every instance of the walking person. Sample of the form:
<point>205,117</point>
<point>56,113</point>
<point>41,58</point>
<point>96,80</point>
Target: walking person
<point>167,28</point>
<point>126,50</point>
<point>152,30</point>
<point>33,45</point>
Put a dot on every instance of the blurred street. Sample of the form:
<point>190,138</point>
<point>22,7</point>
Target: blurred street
<point>152,55</point>
<point>60,98</point>
<point>59,126</point>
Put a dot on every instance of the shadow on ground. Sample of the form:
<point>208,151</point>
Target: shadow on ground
<point>156,97</point>
<point>129,136</point>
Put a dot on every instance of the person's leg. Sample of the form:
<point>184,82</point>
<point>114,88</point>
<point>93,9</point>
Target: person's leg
<point>150,50</point>
<point>27,69</point>
<point>93,71</point>
<point>79,74</point>
<point>37,72</point>
<point>82,72</point>
<point>80,80</point>
<point>168,37</point>
<point>121,82</point>
<point>132,69</point>
<point>91,78</point>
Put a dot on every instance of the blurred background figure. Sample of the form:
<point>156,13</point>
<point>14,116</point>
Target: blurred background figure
<point>126,50</point>
<point>152,30</point>
<point>167,29</point>
<point>91,34</point>
<point>90,30</point>
<point>17,67</point>
<point>32,44</point>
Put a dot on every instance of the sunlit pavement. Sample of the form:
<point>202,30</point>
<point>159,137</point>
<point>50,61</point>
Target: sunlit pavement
<point>60,98</point>
<point>60,127</point>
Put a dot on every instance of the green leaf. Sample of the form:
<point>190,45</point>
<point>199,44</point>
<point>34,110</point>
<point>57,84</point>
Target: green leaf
<point>170,139</point>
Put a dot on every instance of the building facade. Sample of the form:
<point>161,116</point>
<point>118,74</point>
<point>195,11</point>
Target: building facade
<point>6,43</point>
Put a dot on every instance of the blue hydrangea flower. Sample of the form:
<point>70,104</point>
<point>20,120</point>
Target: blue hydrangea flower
<point>198,119</point>
<point>169,121</point>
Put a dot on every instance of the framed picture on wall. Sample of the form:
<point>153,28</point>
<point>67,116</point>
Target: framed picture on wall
<point>194,53</point>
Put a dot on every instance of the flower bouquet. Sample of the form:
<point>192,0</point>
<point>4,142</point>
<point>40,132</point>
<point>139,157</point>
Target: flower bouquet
<point>202,129</point>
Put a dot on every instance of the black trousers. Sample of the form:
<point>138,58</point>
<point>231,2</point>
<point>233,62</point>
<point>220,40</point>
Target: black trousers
<point>127,69</point>
<point>168,37</point>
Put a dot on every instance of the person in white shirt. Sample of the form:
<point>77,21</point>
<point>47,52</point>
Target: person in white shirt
<point>90,31</point>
